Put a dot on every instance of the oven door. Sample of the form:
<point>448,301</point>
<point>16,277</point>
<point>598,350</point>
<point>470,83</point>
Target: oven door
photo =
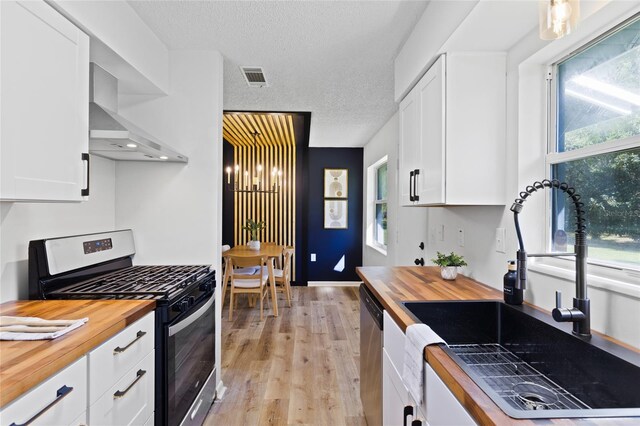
<point>190,357</point>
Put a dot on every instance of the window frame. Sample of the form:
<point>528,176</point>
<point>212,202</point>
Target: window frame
<point>553,157</point>
<point>372,202</point>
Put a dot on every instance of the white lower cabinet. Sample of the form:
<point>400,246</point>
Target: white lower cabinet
<point>122,376</point>
<point>130,400</point>
<point>439,408</point>
<point>443,409</point>
<point>114,384</point>
<point>60,400</point>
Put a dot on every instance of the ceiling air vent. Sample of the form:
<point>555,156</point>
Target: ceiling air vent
<point>254,76</point>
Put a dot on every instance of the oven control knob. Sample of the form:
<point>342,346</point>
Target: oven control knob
<point>181,306</point>
<point>205,286</point>
<point>192,300</point>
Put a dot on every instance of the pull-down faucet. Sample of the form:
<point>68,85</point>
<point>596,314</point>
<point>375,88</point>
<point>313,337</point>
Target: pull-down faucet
<point>579,314</point>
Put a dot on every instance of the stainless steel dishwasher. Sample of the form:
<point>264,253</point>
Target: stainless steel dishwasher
<point>370,356</point>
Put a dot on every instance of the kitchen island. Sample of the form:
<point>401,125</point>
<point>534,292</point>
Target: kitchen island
<point>394,285</point>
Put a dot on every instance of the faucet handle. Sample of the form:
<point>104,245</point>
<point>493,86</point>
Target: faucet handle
<point>558,300</point>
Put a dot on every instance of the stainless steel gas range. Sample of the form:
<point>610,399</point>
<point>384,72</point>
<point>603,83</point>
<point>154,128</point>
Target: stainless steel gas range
<point>100,266</point>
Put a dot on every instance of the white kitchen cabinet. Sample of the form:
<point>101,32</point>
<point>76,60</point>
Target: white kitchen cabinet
<point>452,133</point>
<point>439,407</point>
<point>59,400</point>
<point>121,376</point>
<point>443,409</point>
<point>44,107</point>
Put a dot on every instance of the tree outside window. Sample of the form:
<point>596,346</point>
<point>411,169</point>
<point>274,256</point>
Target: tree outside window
<point>597,147</point>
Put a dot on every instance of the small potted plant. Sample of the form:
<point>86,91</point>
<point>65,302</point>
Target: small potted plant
<point>449,264</point>
<point>254,227</point>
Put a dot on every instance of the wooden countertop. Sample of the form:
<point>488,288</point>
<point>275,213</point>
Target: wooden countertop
<point>25,364</point>
<point>393,285</point>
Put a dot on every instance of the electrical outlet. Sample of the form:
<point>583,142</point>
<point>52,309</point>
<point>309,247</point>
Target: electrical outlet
<point>501,236</point>
<point>313,257</point>
<point>460,237</point>
<point>440,231</point>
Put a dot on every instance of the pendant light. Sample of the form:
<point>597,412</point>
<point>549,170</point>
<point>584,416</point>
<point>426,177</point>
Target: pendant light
<point>252,180</point>
<point>558,18</point>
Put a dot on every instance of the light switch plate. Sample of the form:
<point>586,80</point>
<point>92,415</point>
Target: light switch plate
<point>313,257</point>
<point>460,237</point>
<point>501,236</point>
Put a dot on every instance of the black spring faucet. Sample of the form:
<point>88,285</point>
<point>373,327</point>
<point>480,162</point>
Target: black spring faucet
<point>579,314</point>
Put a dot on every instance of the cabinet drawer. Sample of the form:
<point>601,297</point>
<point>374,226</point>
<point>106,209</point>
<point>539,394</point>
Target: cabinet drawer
<point>65,395</point>
<point>131,400</point>
<point>393,342</point>
<point>111,360</point>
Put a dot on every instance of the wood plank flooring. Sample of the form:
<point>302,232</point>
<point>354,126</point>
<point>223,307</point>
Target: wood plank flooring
<point>300,368</point>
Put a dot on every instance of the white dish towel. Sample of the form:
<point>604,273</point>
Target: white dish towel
<point>33,328</point>
<point>418,336</point>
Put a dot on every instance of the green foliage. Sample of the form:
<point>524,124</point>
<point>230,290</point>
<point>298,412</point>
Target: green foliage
<point>449,259</point>
<point>253,228</point>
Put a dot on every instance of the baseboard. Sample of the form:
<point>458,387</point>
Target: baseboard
<point>221,389</point>
<point>334,283</point>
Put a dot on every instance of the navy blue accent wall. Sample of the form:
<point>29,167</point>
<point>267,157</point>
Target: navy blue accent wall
<point>227,196</point>
<point>330,245</point>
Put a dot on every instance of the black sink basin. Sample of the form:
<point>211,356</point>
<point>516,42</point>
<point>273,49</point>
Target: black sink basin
<point>532,367</point>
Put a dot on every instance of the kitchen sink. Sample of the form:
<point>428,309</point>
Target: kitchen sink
<point>532,367</point>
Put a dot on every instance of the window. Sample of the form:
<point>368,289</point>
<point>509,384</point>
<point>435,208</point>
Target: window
<point>596,146</point>
<point>380,229</point>
<point>376,234</point>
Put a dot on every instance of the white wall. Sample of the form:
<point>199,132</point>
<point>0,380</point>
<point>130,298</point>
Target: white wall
<point>174,209</point>
<point>23,222</point>
<point>615,304</point>
<point>385,142</point>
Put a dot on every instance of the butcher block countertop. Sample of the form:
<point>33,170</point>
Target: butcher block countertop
<point>394,285</point>
<point>25,364</point>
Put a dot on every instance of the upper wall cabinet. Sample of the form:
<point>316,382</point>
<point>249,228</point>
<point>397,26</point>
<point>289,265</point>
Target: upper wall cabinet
<point>452,133</point>
<point>44,105</point>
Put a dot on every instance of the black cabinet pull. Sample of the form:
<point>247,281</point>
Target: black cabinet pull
<point>120,394</point>
<point>410,187</point>
<point>139,335</point>
<point>85,157</point>
<point>416,197</point>
<point>416,423</point>
<point>419,262</point>
<point>60,394</point>
<point>408,411</point>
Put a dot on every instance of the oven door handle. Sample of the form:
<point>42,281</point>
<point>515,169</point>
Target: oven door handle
<point>176,328</point>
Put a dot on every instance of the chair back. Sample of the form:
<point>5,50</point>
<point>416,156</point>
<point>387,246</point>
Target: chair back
<point>288,255</point>
<point>244,261</point>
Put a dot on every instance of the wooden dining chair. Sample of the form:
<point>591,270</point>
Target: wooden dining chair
<point>282,277</point>
<point>254,284</point>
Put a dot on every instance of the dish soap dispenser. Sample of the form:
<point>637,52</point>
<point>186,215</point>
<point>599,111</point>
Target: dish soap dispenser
<point>512,295</point>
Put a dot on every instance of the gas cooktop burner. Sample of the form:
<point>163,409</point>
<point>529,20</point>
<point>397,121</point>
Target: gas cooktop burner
<point>137,282</point>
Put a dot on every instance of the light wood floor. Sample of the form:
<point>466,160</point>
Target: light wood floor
<point>299,368</point>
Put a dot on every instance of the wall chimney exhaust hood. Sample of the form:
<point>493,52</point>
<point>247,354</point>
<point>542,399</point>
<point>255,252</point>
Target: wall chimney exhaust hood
<point>110,135</point>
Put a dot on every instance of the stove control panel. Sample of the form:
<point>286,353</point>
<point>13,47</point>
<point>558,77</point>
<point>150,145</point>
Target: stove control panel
<point>97,245</point>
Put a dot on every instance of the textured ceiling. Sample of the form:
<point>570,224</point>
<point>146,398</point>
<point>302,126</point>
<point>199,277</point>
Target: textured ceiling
<point>332,58</point>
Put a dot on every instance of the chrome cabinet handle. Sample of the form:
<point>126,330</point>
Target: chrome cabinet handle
<point>120,394</point>
<point>85,157</point>
<point>60,394</point>
<point>139,335</point>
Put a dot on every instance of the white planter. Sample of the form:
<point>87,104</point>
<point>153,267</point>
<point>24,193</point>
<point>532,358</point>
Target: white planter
<point>254,245</point>
<point>449,272</point>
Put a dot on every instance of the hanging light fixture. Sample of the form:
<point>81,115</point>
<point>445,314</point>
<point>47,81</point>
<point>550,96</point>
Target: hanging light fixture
<point>558,18</point>
<point>252,180</point>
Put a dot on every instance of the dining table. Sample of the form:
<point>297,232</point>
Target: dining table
<point>271,251</point>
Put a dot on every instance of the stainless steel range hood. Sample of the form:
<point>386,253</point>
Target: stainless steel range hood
<point>110,135</point>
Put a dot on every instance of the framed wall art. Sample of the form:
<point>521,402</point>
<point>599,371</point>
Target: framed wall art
<point>335,214</point>
<point>336,183</point>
